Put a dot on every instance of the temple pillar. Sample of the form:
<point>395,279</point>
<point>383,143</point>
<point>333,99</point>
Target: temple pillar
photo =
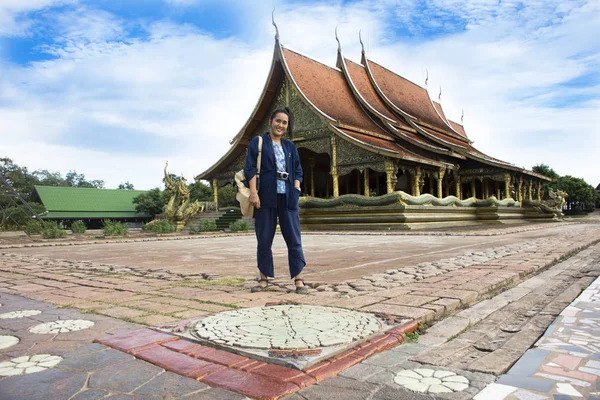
<point>366,182</point>
<point>390,172</point>
<point>440,182</point>
<point>485,188</point>
<point>473,188</point>
<point>312,176</point>
<point>334,171</point>
<point>417,182</point>
<point>539,191</point>
<point>507,185</point>
<point>520,189</point>
<point>215,185</point>
<point>497,187</point>
<point>458,193</point>
<point>446,186</point>
<point>529,190</point>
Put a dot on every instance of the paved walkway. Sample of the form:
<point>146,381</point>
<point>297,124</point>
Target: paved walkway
<point>564,364</point>
<point>117,296</point>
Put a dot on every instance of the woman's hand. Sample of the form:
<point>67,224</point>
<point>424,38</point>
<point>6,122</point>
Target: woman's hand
<point>255,200</point>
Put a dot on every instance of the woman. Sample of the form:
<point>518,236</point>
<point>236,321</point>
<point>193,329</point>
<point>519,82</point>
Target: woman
<point>274,196</point>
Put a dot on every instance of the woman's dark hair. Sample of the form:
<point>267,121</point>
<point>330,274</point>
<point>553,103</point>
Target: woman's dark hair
<point>287,112</point>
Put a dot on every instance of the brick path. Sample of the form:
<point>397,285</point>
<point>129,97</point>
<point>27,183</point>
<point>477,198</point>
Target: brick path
<point>425,291</point>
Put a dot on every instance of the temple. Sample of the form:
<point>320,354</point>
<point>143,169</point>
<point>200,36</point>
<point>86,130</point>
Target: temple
<point>363,130</point>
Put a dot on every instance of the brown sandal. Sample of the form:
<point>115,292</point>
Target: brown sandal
<point>259,287</point>
<point>301,289</point>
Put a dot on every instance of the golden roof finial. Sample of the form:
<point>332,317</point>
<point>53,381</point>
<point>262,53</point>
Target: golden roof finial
<point>338,40</point>
<point>275,25</point>
<point>362,45</point>
<point>427,76</point>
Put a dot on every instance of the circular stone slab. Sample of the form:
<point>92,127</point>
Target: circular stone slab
<point>429,381</point>
<point>7,341</point>
<point>287,327</point>
<point>28,364</point>
<point>19,314</point>
<point>62,326</point>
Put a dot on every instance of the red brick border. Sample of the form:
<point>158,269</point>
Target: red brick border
<point>230,371</point>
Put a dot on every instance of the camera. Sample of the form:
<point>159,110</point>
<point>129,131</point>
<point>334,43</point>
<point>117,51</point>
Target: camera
<point>282,175</point>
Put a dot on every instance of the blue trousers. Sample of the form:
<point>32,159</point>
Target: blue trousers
<point>265,223</point>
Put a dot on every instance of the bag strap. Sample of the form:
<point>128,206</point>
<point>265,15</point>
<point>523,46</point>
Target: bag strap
<point>258,159</point>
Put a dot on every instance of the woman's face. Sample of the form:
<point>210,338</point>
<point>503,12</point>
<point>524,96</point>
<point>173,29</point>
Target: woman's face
<point>279,125</point>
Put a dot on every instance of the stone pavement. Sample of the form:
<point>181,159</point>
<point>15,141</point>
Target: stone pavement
<point>564,364</point>
<point>427,291</point>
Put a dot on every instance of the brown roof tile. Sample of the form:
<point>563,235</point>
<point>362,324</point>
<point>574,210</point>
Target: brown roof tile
<point>361,81</point>
<point>458,128</point>
<point>406,95</point>
<point>326,88</point>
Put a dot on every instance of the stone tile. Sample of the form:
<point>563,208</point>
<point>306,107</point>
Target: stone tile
<point>217,394</point>
<point>277,372</point>
<point>120,378</point>
<point>217,356</point>
<point>63,384</point>
<point>171,360</point>
<point>122,312</point>
<point>170,385</point>
<point>138,338</point>
<point>362,371</point>
<point>90,394</point>
<point>411,300</point>
<point>319,392</point>
<point>329,369</point>
<point>567,361</point>
<point>495,391</point>
<point>418,314</point>
<point>524,382</point>
<point>251,385</point>
<point>154,320</point>
<point>95,361</point>
<point>529,363</point>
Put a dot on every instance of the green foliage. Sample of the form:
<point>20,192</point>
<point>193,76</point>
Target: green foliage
<point>52,230</point>
<point>160,226</point>
<point>199,191</point>
<point>115,228</point>
<point>545,170</point>
<point>412,337</point>
<point>34,227</point>
<point>152,202</point>
<point>239,225</point>
<point>227,196</point>
<point>207,225</point>
<point>126,186</point>
<point>13,217</point>
<point>580,195</point>
<point>78,227</point>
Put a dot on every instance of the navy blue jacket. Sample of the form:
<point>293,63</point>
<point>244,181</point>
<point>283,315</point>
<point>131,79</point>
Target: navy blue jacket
<point>267,186</point>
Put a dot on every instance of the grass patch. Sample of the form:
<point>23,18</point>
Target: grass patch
<point>412,337</point>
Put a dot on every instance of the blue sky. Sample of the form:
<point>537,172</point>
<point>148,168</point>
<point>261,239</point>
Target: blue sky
<point>115,89</point>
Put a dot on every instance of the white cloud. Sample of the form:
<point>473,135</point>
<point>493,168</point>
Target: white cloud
<point>180,94</point>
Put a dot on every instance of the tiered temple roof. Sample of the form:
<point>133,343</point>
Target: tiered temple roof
<point>369,106</point>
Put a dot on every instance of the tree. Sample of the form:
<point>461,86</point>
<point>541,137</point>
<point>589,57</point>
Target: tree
<point>19,178</point>
<point>545,170</point>
<point>47,178</point>
<point>152,202</point>
<point>78,180</point>
<point>581,196</point>
<point>126,186</point>
<point>200,191</point>
<point>227,196</point>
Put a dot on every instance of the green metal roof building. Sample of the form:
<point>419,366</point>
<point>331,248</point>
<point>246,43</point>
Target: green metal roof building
<point>70,203</point>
